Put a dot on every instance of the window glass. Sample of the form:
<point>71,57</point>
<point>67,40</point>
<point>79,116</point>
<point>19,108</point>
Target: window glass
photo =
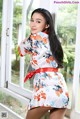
<point>66,29</point>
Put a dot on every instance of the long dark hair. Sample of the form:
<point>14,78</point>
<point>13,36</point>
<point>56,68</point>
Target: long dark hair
<point>55,44</point>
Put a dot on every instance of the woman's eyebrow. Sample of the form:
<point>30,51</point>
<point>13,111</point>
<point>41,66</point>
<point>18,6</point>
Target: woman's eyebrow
<point>37,19</point>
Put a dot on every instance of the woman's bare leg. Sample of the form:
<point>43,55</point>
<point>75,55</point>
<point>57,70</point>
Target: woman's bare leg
<point>57,113</point>
<point>37,113</point>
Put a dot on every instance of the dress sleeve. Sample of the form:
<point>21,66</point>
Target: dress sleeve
<point>25,47</point>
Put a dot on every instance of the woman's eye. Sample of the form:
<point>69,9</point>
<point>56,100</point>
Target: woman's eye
<point>38,22</point>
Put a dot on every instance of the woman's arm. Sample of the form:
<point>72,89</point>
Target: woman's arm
<point>25,47</point>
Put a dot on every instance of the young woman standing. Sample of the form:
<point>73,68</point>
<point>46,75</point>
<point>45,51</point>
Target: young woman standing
<point>50,90</point>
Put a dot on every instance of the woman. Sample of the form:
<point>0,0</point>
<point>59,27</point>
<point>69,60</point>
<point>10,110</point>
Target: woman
<point>50,91</point>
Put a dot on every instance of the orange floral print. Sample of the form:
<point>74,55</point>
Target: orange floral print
<point>36,37</point>
<point>43,95</point>
<point>35,61</point>
<point>48,84</point>
<point>44,40</point>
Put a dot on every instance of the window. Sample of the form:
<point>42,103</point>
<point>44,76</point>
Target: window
<point>66,29</point>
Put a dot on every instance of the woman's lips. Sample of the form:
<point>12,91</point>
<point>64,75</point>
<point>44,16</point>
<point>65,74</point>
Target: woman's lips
<point>33,29</point>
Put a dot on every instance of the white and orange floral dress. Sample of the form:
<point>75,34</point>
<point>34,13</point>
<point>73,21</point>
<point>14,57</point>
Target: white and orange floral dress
<point>50,89</point>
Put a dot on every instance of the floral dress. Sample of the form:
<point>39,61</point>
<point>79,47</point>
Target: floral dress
<point>50,89</point>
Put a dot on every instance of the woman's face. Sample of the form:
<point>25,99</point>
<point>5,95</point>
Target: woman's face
<point>37,23</point>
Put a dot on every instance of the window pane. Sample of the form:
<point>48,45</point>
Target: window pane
<point>17,21</point>
<point>66,29</point>
<point>17,27</point>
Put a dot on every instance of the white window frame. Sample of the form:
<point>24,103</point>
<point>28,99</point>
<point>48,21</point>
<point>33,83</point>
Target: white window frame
<point>6,86</point>
<point>6,49</point>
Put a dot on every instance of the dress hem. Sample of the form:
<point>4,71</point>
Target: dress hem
<point>48,106</point>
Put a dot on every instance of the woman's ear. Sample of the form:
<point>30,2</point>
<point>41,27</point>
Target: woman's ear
<point>47,26</point>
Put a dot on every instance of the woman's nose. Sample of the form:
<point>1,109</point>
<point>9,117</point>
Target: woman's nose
<point>34,24</point>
